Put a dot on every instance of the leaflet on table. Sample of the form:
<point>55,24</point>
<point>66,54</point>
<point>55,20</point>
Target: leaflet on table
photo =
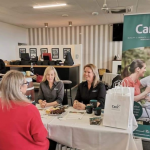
<point>73,115</point>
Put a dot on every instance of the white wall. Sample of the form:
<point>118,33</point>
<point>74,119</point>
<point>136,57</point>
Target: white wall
<point>96,41</point>
<point>10,36</point>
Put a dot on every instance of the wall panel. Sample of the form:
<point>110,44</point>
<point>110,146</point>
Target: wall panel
<point>96,40</point>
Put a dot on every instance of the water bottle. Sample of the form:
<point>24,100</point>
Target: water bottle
<point>32,69</point>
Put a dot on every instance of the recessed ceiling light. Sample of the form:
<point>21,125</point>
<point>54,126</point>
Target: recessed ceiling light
<point>95,13</point>
<point>46,6</point>
<point>65,15</point>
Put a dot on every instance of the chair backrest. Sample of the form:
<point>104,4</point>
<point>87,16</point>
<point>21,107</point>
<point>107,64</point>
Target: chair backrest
<point>115,80</point>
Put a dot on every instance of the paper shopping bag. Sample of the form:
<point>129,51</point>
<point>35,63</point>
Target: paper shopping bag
<point>117,110</point>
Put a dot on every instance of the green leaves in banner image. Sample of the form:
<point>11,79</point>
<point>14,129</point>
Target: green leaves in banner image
<point>137,110</point>
<point>137,53</point>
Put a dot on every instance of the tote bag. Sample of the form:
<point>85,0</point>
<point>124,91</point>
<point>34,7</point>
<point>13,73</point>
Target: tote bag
<point>118,110</point>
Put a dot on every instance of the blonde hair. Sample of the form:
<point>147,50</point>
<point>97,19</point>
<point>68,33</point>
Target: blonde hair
<point>10,88</point>
<point>95,72</point>
<point>56,78</point>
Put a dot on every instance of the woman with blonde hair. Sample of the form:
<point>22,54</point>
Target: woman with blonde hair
<point>92,88</point>
<point>21,126</point>
<point>51,90</point>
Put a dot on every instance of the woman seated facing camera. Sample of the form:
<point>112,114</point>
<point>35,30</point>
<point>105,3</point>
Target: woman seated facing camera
<point>92,88</point>
<point>21,127</point>
<point>51,90</point>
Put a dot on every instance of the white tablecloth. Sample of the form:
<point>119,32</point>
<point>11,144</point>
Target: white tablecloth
<point>78,133</point>
<point>108,77</point>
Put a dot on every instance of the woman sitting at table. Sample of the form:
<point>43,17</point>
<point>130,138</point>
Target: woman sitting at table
<point>92,88</point>
<point>21,127</point>
<point>137,69</point>
<point>51,90</point>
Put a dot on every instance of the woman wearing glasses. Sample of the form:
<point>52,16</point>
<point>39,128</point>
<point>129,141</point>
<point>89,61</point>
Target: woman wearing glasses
<point>21,126</point>
<point>51,90</point>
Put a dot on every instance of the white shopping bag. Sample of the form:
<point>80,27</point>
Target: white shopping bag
<point>118,110</point>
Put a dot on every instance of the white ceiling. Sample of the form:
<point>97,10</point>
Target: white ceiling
<point>21,12</point>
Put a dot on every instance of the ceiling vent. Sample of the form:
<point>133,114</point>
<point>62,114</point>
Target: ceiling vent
<point>116,10</point>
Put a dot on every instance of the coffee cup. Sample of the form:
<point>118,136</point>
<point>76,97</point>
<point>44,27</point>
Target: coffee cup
<point>97,111</point>
<point>89,109</point>
<point>28,73</point>
<point>93,103</point>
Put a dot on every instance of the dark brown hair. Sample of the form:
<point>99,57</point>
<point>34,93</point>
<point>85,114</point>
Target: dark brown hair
<point>135,64</point>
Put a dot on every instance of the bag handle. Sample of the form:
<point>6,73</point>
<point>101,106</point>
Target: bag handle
<point>126,84</point>
<point>119,85</point>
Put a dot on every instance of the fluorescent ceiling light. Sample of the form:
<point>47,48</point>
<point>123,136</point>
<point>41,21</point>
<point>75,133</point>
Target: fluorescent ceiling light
<point>46,6</point>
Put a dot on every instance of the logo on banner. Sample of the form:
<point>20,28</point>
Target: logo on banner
<point>140,29</point>
<point>116,107</point>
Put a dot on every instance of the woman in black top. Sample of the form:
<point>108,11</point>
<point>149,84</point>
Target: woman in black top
<point>51,90</point>
<point>92,88</point>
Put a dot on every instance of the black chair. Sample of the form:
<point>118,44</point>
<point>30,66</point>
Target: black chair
<point>115,79</point>
<point>67,85</point>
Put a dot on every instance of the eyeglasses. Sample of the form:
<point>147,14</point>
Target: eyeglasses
<point>26,83</point>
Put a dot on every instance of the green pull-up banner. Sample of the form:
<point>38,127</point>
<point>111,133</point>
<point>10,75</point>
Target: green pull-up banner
<point>136,45</point>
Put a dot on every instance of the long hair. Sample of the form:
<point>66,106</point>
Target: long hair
<point>95,72</point>
<point>56,78</point>
<point>131,68</point>
<point>10,88</point>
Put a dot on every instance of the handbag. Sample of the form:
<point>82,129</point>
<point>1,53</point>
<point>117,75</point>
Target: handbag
<point>39,78</point>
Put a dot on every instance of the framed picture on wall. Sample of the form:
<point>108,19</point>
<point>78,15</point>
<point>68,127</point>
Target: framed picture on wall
<point>21,50</point>
<point>33,52</point>
<point>55,53</point>
<point>65,51</point>
<point>43,50</point>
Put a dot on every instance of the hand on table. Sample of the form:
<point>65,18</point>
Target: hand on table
<point>43,104</point>
<point>75,104</point>
<point>78,105</point>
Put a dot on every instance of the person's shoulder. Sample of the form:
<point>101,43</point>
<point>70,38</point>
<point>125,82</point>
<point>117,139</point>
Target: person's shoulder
<point>31,109</point>
<point>99,84</point>
<point>60,82</point>
<point>43,83</point>
<point>82,84</point>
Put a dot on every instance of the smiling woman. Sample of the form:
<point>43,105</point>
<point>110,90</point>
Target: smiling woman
<point>92,88</point>
<point>51,90</point>
<point>137,69</point>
